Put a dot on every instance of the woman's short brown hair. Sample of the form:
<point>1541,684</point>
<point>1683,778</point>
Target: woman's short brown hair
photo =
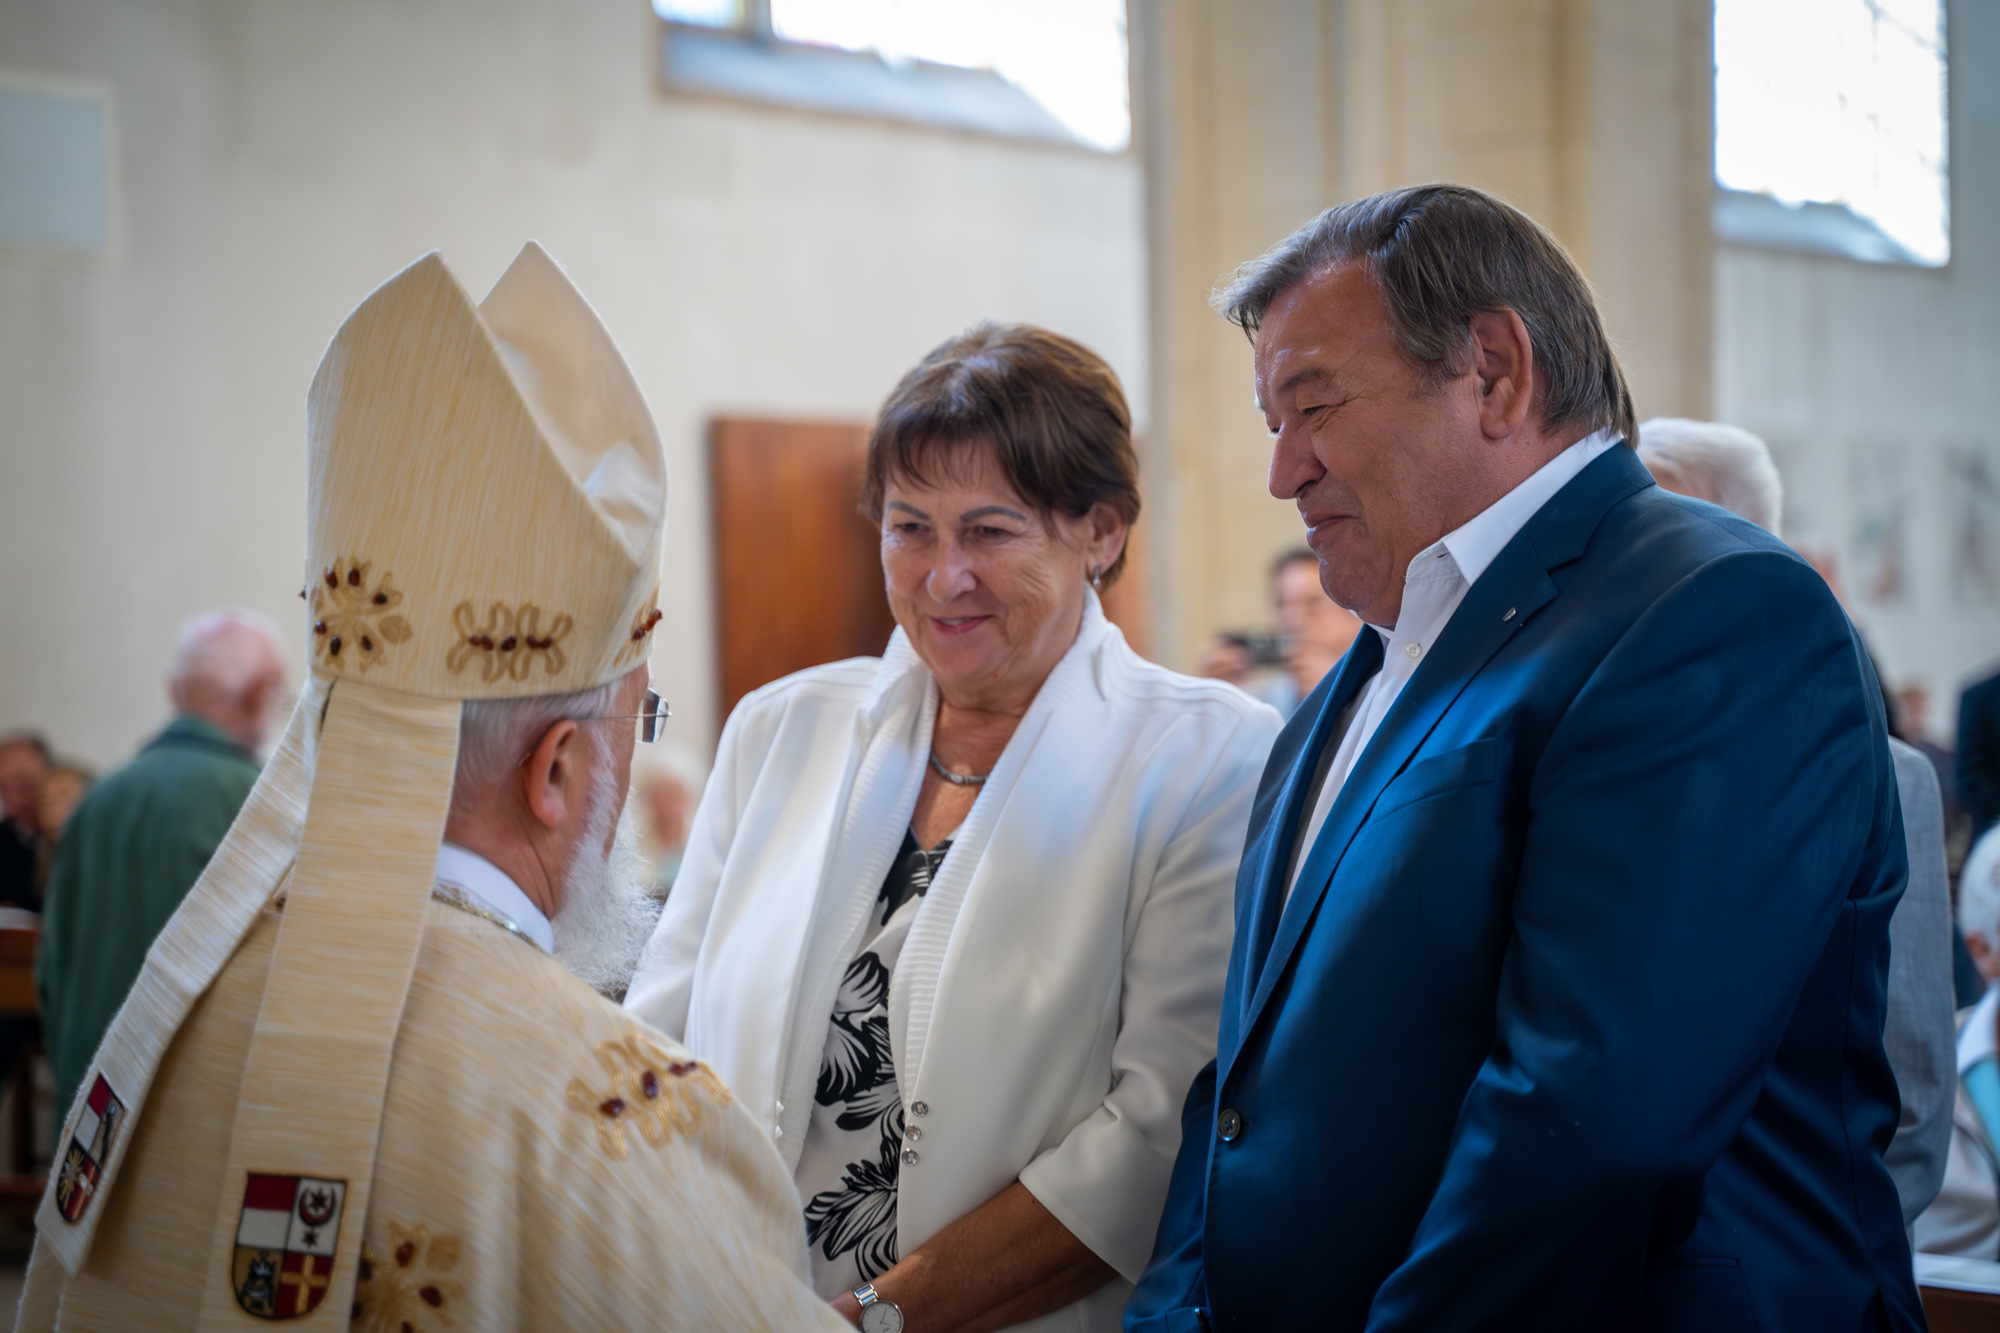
<point>1049,411</point>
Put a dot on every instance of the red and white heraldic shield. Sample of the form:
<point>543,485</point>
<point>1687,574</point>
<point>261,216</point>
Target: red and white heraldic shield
<point>284,1243</point>
<point>97,1127</point>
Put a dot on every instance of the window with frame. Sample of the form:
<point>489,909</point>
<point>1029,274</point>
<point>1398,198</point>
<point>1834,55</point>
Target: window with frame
<point>1048,70</point>
<point>1830,127</point>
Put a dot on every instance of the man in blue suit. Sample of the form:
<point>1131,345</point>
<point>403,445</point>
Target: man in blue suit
<point>1562,930</point>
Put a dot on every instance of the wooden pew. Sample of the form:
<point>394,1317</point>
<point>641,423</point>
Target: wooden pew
<point>20,1184</point>
<point>1959,1295</point>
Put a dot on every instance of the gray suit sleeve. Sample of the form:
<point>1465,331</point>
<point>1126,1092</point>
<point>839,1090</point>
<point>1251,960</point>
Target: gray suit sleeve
<point>1918,1031</point>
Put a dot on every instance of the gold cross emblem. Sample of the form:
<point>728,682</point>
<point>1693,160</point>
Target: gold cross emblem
<point>308,1283</point>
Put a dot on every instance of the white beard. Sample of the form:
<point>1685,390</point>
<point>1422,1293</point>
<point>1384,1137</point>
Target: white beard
<point>606,915</point>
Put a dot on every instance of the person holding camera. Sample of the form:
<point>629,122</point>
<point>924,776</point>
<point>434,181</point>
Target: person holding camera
<point>1313,632</point>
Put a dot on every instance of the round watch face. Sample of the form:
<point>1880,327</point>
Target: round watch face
<point>881,1317</point>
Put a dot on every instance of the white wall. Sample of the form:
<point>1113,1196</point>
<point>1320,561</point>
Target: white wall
<point>281,158</point>
<point>1839,364</point>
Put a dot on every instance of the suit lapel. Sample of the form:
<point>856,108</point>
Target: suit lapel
<point>1271,856</point>
<point>1506,597</point>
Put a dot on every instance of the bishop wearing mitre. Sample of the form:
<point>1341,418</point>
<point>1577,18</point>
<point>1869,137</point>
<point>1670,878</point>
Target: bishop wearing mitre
<point>360,1079</point>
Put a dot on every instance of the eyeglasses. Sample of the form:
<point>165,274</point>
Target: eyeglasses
<point>656,712</point>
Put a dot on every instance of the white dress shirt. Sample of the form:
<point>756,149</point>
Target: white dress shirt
<point>489,887</point>
<point>1437,581</point>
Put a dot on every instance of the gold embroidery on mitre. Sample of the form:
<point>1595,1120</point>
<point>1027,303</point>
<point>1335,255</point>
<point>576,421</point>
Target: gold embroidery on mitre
<point>642,627</point>
<point>509,641</point>
<point>352,623</point>
<point>408,1292</point>
<point>648,1090</point>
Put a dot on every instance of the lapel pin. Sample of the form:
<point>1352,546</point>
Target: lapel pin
<point>1509,615</point>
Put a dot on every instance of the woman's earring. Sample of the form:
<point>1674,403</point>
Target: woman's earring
<point>1096,577</point>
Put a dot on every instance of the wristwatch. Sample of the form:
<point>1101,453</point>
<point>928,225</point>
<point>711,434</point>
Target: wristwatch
<point>878,1315</point>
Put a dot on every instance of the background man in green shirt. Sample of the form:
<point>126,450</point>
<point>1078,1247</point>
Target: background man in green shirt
<point>142,835</point>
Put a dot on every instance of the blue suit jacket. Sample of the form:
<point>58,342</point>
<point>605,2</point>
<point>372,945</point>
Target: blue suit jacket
<point>1574,1020</point>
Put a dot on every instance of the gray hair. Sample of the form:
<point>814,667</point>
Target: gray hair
<point>495,735</point>
<point>1440,254</point>
<point>1979,890</point>
<point>225,651</point>
<point>1732,466</point>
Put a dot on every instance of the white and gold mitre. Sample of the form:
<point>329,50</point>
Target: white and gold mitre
<point>485,491</point>
<point>485,498</point>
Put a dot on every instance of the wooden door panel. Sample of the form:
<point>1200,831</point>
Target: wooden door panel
<point>798,570</point>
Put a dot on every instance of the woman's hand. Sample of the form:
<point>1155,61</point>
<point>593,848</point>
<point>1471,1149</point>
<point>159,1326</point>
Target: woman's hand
<point>1004,1262</point>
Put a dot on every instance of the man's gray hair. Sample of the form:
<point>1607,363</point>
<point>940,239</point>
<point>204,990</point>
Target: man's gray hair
<point>1979,890</point>
<point>1440,254</point>
<point>495,735</point>
<point>1715,461</point>
<point>225,651</point>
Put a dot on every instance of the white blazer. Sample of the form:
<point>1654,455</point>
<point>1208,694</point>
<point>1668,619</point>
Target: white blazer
<point>1062,980</point>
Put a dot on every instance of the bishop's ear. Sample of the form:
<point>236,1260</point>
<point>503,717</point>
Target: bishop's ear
<point>550,776</point>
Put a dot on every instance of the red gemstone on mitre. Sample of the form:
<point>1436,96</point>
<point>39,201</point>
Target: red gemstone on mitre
<point>649,1082</point>
<point>367,644</point>
<point>507,644</point>
<point>319,627</point>
<point>405,1252</point>
<point>381,599</point>
<point>353,578</point>
<point>431,1296</point>
<point>682,1070</point>
<point>332,579</point>
<point>334,647</point>
<point>612,1106</point>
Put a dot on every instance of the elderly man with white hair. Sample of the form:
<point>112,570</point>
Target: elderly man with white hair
<point>1965,1220</point>
<point>367,1069</point>
<point>141,837</point>
<point>1720,464</point>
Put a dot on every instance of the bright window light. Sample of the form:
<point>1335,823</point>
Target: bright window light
<point>706,13</point>
<point>1838,102</point>
<point>1069,55</point>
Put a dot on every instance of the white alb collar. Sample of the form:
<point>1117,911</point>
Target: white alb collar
<point>488,886</point>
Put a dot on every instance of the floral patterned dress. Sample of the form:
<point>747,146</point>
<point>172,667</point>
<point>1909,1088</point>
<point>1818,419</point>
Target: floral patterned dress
<point>854,1142</point>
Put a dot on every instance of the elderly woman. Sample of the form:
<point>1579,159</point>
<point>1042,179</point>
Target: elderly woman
<point>954,922</point>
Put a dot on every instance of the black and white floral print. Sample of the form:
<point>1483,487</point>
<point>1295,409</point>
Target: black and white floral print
<point>856,1133</point>
<point>857,1059</point>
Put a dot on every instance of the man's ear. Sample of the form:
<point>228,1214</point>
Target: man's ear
<point>549,775</point>
<point>263,692</point>
<point>1503,358</point>
<point>1981,952</point>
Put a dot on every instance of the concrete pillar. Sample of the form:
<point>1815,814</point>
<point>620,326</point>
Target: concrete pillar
<point>1593,116</point>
